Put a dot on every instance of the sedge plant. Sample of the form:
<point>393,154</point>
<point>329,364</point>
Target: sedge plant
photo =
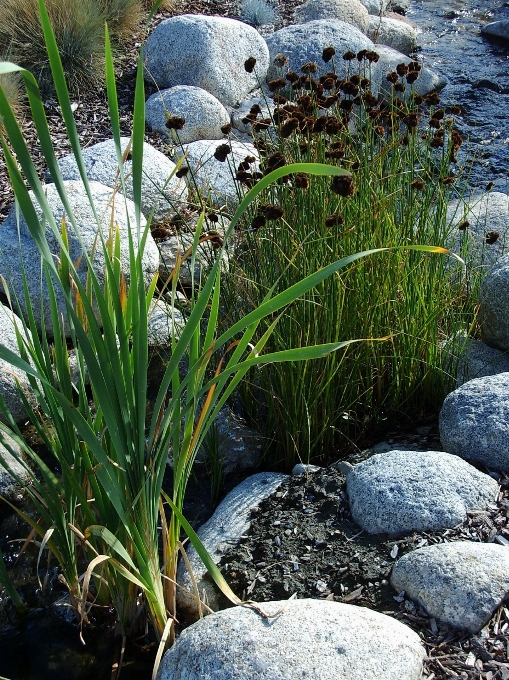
<point>400,149</point>
<point>104,514</point>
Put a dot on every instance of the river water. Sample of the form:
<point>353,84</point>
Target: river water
<point>477,70</point>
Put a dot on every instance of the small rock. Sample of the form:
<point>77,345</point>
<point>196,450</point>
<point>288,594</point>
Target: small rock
<point>461,583</point>
<point>302,469</point>
<point>352,12</point>
<point>14,474</point>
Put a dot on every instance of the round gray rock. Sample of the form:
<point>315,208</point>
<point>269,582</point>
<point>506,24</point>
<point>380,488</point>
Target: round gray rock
<point>309,639</point>
<point>428,81</point>
<point>469,358</point>
<point>15,246</point>
<point>400,35</point>
<point>164,323</point>
<point>474,421</point>
<point>351,11</point>
<point>229,522</point>
<point>203,113</point>
<point>461,583</point>
<point>9,375</point>
<point>376,6</point>
<point>494,305</point>
<point>160,191</point>
<point>14,473</point>
<point>207,52</point>
<point>216,178</point>
<point>415,490</point>
<point>497,29</point>
<point>489,212</point>
<point>305,42</point>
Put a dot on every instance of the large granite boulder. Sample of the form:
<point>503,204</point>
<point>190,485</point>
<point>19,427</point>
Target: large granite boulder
<point>467,358</point>
<point>479,217</point>
<point>21,245</point>
<point>494,305</point>
<point>351,11</point>
<point>415,490</point>
<point>9,375</point>
<point>207,52</point>
<point>228,523</point>
<point>461,583</point>
<point>14,472</point>
<point>303,43</point>
<point>474,421</point>
<point>302,639</point>
<point>400,35</point>
<point>203,113</point>
<point>161,190</point>
<point>497,29</point>
<point>216,177</point>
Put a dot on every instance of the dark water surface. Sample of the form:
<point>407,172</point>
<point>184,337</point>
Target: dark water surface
<point>477,70</point>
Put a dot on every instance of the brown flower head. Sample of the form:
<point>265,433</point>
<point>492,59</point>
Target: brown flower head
<point>328,83</point>
<point>244,177</point>
<point>489,186</point>
<point>456,110</point>
<point>301,180</point>
<point>392,77</point>
<point>402,69</point>
<point>288,127</point>
<point>182,171</point>
<point>399,87</point>
<point>249,64</point>
<point>418,185</point>
<point>350,88</point>
<point>292,77</point>
<point>276,84</point>
<point>365,82</point>
<point>447,181</point>
<point>372,56</point>
<point>329,101</point>
<point>250,160</point>
<point>404,141</point>
<point>309,67</point>
<point>279,99</point>
<point>349,55</point>
<point>258,221</point>
<point>335,153</point>
<point>492,237</point>
<point>212,217</point>
<point>463,225</point>
<point>412,76</point>
<point>456,140</point>
<point>221,152</point>
<point>439,114</point>
<point>369,98</point>
<point>361,55</point>
<point>328,53</point>
<point>342,185</point>
<point>333,126</point>
<point>355,78</point>
<point>432,99</point>
<point>436,142</point>
<point>175,122</point>
<point>226,129</point>
<point>418,100</point>
<point>275,161</point>
<point>355,165</point>
<point>411,120</point>
<point>336,219</point>
<point>414,66</point>
<point>280,60</point>
<point>380,130</point>
<point>346,104</point>
<point>320,124</point>
<point>434,123</point>
<point>262,124</point>
<point>271,211</point>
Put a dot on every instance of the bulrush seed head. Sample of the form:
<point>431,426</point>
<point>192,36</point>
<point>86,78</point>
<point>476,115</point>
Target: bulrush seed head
<point>447,181</point>
<point>411,120</point>
<point>301,181</point>
<point>349,55</point>
<point>402,69</point>
<point>418,100</point>
<point>350,88</point>
<point>436,142</point>
<point>342,185</point>
<point>212,217</point>
<point>288,127</point>
<point>456,110</point>
<point>226,129</point>
<point>335,219</point>
<point>292,77</point>
<point>258,221</point>
<point>361,55</point>
<point>439,114</point>
<point>275,161</point>
<point>175,122</point>
<point>399,87</point>
<point>276,84</point>
<point>320,124</point>
<point>279,99</point>
<point>221,152</point>
<point>492,237</point>
<point>464,225</point>
<point>418,185</point>
<point>328,53</point>
<point>412,77</point>
<point>392,77</point>
<point>182,171</point>
<point>414,66</point>
<point>309,67</point>
<point>432,99</point>
<point>333,126</point>
<point>249,64</point>
<point>372,56</point>
<point>255,109</point>
<point>303,147</point>
<point>271,211</point>
<point>280,60</point>
<point>489,186</point>
<point>262,124</point>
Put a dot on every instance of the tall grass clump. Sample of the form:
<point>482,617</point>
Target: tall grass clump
<point>99,504</point>
<point>400,149</point>
<point>78,27</point>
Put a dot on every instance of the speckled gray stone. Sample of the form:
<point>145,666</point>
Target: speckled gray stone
<point>9,374</point>
<point>313,639</point>
<point>266,105</point>
<point>485,213</point>
<point>13,246</point>
<point>228,523</point>
<point>376,6</point>
<point>164,323</point>
<point>207,52</point>
<point>470,358</point>
<point>494,305</point>
<point>461,583</point>
<point>400,35</point>
<point>474,421</point>
<point>306,42</point>
<point>416,490</point>
<point>216,177</point>
<point>497,29</point>
<point>203,113</point>
<point>351,11</point>
<point>158,191</point>
<point>11,485</point>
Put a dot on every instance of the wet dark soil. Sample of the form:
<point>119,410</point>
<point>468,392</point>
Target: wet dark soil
<point>303,542</point>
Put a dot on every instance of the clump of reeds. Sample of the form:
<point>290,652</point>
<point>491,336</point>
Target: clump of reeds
<point>401,151</point>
